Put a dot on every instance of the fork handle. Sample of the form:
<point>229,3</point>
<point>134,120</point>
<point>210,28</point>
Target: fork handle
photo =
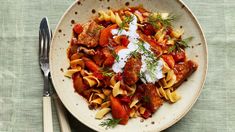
<point>47,114</point>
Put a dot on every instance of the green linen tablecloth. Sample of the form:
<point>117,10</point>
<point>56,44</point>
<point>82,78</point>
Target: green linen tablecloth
<point>21,81</point>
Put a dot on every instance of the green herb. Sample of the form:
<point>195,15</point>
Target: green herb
<point>184,43</point>
<point>142,75</point>
<point>180,44</point>
<point>110,123</point>
<point>151,66</point>
<point>134,53</point>
<point>155,18</point>
<point>126,21</point>
<point>145,51</point>
<point>107,72</point>
<point>172,48</point>
<point>115,55</point>
<point>95,31</point>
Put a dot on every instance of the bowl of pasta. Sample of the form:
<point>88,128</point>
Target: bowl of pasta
<point>128,65</point>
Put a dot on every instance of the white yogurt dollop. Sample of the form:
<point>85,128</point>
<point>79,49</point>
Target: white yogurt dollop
<point>149,74</point>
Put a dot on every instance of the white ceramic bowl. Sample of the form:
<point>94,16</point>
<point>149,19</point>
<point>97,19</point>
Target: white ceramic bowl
<point>168,114</point>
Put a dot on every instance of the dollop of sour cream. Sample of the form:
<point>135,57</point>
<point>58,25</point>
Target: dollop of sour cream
<point>148,74</point>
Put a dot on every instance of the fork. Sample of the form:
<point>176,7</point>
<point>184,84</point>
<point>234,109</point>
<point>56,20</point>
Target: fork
<point>44,47</point>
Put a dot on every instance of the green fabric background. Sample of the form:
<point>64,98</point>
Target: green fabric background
<point>21,80</point>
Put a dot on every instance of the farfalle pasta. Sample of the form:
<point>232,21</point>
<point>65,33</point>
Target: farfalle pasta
<point>128,62</point>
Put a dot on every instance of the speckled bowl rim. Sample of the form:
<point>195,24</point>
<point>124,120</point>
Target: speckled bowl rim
<point>196,95</point>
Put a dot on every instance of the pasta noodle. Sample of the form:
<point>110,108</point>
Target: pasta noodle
<point>101,113</point>
<point>75,63</point>
<point>92,81</point>
<point>139,16</point>
<point>110,16</point>
<point>70,72</point>
<point>177,33</point>
<point>107,92</point>
<point>113,81</point>
<point>96,101</point>
<point>170,79</point>
<point>116,89</point>
<point>142,110</point>
<point>168,95</point>
<point>105,104</point>
<point>134,102</point>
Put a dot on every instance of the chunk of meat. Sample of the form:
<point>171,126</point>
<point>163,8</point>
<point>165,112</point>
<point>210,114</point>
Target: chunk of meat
<point>151,97</point>
<point>99,57</point>
<point>183,71</point>
<point>109,58</point>
<point>132,70</point>
<point>90,35</point>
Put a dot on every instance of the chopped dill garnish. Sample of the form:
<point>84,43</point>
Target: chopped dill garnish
<point>151,65</point>
<point>151,60</point>
<point>142,76</point>
<point>107,72</point>
<point>97,29</point>
<point>184,43</point>
<point>126,20</point>
<point>155,18</point>
<point>134,53</point>
<point>115,55</point>
<point>110,123</point>
<point>144,50</point>
<point>180,44</point>
<point>172,48</point>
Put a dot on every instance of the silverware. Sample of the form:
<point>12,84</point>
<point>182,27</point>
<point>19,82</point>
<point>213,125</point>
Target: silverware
<point>45,36</point>
<point>44,47</point>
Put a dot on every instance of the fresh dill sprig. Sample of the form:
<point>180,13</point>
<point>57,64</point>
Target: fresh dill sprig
<point>115,55</point>
<point>125,21</point>
<point>144,50</point>
<point>97,29</point>
<point>155,18</point>
<point>184,42</point>
<point>107,72</point>
<point>134,53</point>
<point>171,49</point>
<point>180,44</point>
<point>151,65</point>
<point>110,123</point>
